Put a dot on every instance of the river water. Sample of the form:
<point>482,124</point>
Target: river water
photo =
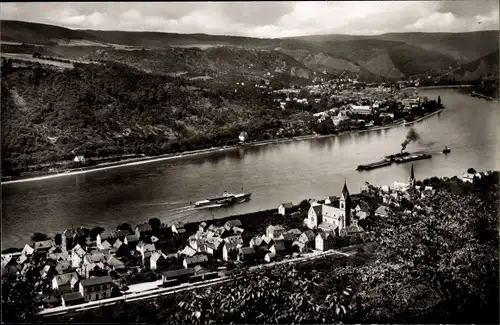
<point>274,173</point>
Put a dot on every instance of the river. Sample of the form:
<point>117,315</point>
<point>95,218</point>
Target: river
<point>274,173</point>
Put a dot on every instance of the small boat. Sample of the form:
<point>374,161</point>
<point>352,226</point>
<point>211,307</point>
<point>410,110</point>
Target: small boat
<point>446,150</point>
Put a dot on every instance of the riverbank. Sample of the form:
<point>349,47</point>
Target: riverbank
<point>148,159</point>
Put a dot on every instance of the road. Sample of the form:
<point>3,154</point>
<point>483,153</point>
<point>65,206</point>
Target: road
<point>150,292</point>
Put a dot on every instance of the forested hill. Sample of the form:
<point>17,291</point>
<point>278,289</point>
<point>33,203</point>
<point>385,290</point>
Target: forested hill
<point>111,109</point>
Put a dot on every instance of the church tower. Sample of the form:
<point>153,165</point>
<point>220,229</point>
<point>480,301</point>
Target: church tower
<point>411,180</point>
<point>345,204</point>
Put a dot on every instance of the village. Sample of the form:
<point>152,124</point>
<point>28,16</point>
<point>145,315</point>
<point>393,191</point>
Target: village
<point>81,267</point>
<point>346,102</point>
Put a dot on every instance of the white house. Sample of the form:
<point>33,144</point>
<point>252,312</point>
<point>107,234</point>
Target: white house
<point>324,241</point>
<point>79,159</point>
<point>361,110</point>
<point>285,208</point>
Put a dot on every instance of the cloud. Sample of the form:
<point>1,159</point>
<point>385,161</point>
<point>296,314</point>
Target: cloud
<point>264,19</point>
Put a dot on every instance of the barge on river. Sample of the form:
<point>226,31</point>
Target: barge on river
<point>378,164</point>
<point>412,158</point>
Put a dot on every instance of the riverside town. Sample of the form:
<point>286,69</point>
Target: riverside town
<point>265,162</point>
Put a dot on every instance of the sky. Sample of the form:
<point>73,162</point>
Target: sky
<point>264,19</point>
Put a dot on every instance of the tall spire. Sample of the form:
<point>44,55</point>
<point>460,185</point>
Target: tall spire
<point>412,175</point>
<point>345,191</point>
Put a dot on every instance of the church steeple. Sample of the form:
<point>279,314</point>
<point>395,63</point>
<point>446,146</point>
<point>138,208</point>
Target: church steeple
<point>345,191</point>
<point>412,177</point>
<point>345,205</point>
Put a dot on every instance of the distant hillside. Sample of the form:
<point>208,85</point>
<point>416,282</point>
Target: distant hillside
<point>388,59</point>
<point>462,47</point>
<point>487,65</point>
<point>393,56</point>
<point>34,33</point>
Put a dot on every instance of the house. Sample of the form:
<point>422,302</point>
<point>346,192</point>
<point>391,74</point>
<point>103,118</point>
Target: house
<point>299,246</point>
<point>182,275</point>
<point>188,251</point>
<point>27,250</point>
<point>63,267</point>
<point>115,264</point>
<point>72,298</point>
<point>50,301</point>
<point>143,230</point>
<point>308,238</point>
<point>66,282</point>
<point>195,260</point>
<point>274,231</point>
<point>120,249</point>
<point>278,248</point>
<point>158,261</point>
<point>96,288</point>
<point>198,269</point>
<point>324,241</point>
<point>71,237</point>
<point>361,110</point>
<point>120,234</point>
<point>238,230</point>
<point>131,241</point>
<point>269,257</point>
<point>58,254</point>
<point>236,240</point>
<point>214,246</point>
<point>285,208</point>
<point>382,211</point>
<point>233,223</point>
<point>79,159</point>
<point>246,254</point>
<point>77,255</point>
<point>230,251</point>
<point>22,259</point>
<point>104,237</point>
<point>42,247</point>
<point>47,272</point>
<point>202,226</point>
<point>93,264</point>
<point>256,241</point>
<point>9,264</point>
<point>145,250</point>
<point>178,228</point>
<point>294,233</point>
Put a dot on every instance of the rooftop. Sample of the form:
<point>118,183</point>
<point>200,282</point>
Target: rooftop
<point>72,296</point>
<point>177,273</point>
<point>96,281</point>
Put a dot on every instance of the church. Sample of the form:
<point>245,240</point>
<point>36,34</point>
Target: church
<point>331,217</point>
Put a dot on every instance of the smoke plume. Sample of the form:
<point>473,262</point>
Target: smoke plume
<point>411,136</point>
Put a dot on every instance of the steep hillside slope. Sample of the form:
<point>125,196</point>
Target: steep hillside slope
<point>112,109</point>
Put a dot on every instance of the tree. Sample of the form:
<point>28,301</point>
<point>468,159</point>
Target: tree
<point>155,223</point>
<point>58,239</point>
<point>19,299</point>
<point>125,226</point>
<point>94,232</point>
<point>38,236</point>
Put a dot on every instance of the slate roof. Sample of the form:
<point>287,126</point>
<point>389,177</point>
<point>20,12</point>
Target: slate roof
<point>178,273</point>
<point>287,205</point>
<point>382,210</point>
<point>328,226</point>
<point>196,259</point>
<point>96,281</point>
<point>132,238</point>
<point>325,235</point>
<point>144,227</point>
<point>72,296</point>
<point>234,223</point>
<point>309,234</point>
<point>247,250</point>
<point>63,279</point>
<point>279,246</point>
<point>43,244</point>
